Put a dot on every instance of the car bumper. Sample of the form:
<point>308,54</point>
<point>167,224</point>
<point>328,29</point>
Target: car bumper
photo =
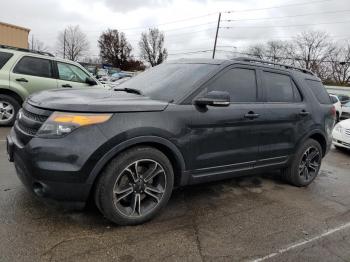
<point>341,140</point>
<point>54,171</point>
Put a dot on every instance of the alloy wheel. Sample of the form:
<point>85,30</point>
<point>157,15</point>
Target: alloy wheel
<point>310,163</point>
<point>139,188</point>
<point>7,111</point>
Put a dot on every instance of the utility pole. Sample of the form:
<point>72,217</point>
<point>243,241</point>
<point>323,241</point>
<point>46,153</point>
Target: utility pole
<point>216,36</point>
<point>64,44</point>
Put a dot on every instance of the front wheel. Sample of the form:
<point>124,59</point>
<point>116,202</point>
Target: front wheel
<point>305,165</point>
<point>8,110</point>
<point>135,186</point>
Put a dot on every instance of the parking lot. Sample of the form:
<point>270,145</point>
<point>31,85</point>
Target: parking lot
<point>251,218</point>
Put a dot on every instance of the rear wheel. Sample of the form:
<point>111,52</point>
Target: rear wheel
<point>305,165</point>
<point>135,186</point>
<point>8,110</point>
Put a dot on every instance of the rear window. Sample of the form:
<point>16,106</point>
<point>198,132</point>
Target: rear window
<point>319,91</point>
<point>280,88</point>
<point>4,57</point>
<point>34,66</point>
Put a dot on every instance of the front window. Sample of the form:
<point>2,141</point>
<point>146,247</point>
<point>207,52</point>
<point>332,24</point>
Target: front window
<point>70,72</point>
<point>169,81</point>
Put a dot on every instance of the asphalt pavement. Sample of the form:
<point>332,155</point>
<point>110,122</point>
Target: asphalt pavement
<point>244,219</point>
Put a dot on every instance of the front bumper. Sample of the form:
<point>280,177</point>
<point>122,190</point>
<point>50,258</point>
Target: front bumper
<point>341,139</point>
<point>57,170</point>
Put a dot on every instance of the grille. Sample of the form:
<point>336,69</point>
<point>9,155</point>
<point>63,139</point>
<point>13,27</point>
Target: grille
<point>36,117</point>
<point>29,121</point>
<point>347,132</point>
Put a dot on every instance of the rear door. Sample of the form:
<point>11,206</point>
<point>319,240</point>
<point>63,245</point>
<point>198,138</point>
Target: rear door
<point>286,117</point>
<point>71,76</point>
<point>33,74</point>
<point>227,138</point>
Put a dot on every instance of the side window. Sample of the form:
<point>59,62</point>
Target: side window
<point>319,91</point>
<point>71,73</point>
<point>240,83</point>
<point>4,57</point>
<point>34,66</point>
<point>278,87</point>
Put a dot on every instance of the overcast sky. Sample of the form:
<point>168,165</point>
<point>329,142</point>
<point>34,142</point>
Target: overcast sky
<point>189,25</point>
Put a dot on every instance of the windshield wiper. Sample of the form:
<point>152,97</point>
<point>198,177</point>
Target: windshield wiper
<point>129,90</point>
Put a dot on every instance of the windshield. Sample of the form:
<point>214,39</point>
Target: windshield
<point>347,104</point>
<point>168,81</point>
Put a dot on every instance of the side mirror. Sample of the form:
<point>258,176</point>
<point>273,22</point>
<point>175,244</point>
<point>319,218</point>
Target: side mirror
<point>90,81</point>
<point>214,98</point>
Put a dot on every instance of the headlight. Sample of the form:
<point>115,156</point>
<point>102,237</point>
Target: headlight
<point>60,124</point>
<point>338,128</point>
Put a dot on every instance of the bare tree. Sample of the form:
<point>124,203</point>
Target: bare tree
<point>36,45</point>
<point>274,51</point>
<point>152,47</point>
<point>114,48</point>
<point>72,43</point>
<point>312,49</point>
<point>257,51</point>
<point>340,65</point>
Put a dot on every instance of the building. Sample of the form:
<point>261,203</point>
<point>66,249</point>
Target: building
<point>13,35</point>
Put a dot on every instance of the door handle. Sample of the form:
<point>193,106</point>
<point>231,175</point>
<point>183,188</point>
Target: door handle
<point>67,86</point>
<point>21,80</point>
<point>304,113</point>
<point>251,115</point>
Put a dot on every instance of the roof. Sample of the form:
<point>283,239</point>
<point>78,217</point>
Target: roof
<point>246,60</point>
<point>198,61</point>
<point>15,26</point>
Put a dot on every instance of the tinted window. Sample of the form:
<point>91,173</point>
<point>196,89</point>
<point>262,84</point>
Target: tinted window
<point>279,88</point>
<point>34,66</point>
<point>71,73</point>
<point>4,57</point>
<point>319,91</point>
<point>238,82</point>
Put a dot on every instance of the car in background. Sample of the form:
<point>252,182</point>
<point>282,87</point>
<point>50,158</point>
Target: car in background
<point>337,105</point>
<point>344,99</point>
<point>341,134</point>
<point>346,111</point>
<point>23,72</point>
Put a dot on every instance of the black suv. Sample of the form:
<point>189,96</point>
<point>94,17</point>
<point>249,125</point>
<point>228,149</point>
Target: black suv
<point>180,123</point>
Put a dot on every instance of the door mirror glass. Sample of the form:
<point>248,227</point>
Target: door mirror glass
<point>90,81</point>
<point>214,98</point>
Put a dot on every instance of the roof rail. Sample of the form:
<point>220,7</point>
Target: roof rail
<point>255,60</point>
<point>26,50</point>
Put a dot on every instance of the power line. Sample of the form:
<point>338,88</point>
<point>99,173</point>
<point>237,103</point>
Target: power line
<point>326,23</point>
<point>274,7</point>
<point>289,16</point>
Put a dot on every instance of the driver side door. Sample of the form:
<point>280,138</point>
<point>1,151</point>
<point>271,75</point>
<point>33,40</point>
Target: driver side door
<point>226,140</point>
<point>71,76</point>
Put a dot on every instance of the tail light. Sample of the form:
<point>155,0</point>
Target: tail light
<point>333,111</point>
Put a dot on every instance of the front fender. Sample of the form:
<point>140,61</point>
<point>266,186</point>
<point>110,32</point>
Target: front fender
<point>133,142</point>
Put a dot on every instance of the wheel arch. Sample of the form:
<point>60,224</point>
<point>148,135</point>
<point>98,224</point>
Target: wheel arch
<point>162,144</point>
<point>13,94</point>
<point>317,135</point>
<point>320,138</point>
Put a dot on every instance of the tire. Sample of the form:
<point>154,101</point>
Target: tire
<point>308,156</point>
<point>124,195</point>
<point>9,108</point>
<point>337,117</point>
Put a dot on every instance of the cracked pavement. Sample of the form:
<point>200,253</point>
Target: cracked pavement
<point>232,220</point>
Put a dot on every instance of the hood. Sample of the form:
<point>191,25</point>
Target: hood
<point>94,100</point>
